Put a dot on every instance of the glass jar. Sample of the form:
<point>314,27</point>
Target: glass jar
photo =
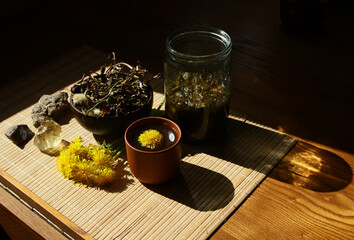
<point>197,73</point>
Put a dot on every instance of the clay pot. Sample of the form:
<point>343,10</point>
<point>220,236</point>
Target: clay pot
<point>149,166</point>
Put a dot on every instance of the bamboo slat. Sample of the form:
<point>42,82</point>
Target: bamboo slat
<point>213,180</point>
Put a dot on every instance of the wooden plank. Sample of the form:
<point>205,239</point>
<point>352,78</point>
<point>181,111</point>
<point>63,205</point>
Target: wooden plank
<point>309,194</point>
<point>297,83</point>
<point>20,222</point>
<point>41,206</point>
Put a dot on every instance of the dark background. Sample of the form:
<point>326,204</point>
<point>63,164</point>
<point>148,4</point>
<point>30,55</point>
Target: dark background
<point>297,80</point>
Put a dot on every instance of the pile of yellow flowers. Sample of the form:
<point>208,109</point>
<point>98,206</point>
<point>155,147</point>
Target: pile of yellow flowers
<point>91,165</point>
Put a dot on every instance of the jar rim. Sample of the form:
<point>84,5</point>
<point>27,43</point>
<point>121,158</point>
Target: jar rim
<point>209,31</point>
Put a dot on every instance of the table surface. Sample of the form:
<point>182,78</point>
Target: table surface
<point>298,82</point>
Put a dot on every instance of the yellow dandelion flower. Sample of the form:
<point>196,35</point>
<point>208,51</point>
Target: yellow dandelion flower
<point>76,147</point>
<point>106,174</point>
<point>82,173</point>
<point>101,156</point>
<point>150,138</point>
<point>91,165</point>
<point>65,160</point>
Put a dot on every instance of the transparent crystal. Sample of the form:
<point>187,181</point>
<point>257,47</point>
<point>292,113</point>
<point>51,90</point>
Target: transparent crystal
<point>48,135</point>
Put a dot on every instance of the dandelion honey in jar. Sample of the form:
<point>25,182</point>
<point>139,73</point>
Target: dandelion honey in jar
<point>197,74</point>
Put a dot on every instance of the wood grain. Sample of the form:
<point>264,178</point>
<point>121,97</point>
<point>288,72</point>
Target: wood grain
<point>298,82</point>
<point>21,223</point>
<point>309,195</point>
<point>44,208</point>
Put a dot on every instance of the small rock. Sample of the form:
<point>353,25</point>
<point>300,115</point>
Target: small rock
<point>49,106</point>
<point>48,135</point>
<point>19,134</point>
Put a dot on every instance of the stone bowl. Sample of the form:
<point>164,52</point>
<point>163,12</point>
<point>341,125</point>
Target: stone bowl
<point>154,166</point>
<point>112,124</point>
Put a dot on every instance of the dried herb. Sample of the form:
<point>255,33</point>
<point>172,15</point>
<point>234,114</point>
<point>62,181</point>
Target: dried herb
<point>117,89</point>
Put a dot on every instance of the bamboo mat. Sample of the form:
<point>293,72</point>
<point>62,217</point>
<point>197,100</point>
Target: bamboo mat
<point>213,180</point>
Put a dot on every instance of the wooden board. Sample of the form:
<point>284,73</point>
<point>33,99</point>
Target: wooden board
<point>213,180</point>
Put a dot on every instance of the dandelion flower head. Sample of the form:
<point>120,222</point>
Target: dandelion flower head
<point>150,138</point>
<point>91,165</point>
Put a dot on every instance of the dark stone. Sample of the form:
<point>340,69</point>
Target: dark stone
<point>19,134</point>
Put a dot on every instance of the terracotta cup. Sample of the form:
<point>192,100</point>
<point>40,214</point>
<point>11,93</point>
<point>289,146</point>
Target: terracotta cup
<point>148,166</point>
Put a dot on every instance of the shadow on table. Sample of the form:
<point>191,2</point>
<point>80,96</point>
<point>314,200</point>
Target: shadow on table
<point>245,145</point>
<point>123,180</point>
<point>313,168</point>
<point>198,188</point>
<point>305,165</point>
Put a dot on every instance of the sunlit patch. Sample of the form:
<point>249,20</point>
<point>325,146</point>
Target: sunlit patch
<point>280,129</point>
<point>313,168</point>
<point>305,164</point>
